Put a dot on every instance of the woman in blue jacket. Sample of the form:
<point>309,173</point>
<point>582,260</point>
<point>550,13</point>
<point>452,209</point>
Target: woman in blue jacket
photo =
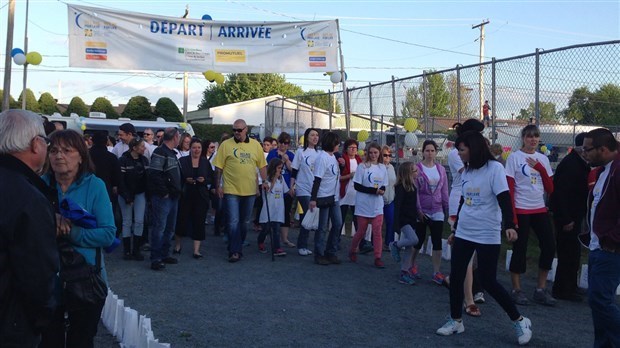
<point>71,176</point>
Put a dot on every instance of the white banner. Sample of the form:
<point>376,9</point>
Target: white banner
<point>105,39</point>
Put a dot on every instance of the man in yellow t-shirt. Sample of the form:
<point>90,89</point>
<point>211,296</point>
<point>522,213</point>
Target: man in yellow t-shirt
<point>237,160</point>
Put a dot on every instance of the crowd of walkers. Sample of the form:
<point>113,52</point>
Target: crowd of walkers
<point>166,185</point>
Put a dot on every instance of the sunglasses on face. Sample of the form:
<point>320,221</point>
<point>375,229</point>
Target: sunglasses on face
<point>238,130</point>
<point>387,155</point>
<point>148,134</point>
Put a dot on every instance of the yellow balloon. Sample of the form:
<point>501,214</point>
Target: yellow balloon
<point>543,149</point>
<point>360,152</point>
<point>210,75</point>
<point>411,124</point>
<point>183,125</point>
<point>362,135</point>
<point>301,140</point>
<point>83,127</point>
<point>506,154</point>
<point>33,58</point>
<point>219,78</point>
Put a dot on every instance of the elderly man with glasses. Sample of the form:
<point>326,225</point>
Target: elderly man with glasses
<point>236,162</point>
<point>29,252</point>
<point>149,139</point>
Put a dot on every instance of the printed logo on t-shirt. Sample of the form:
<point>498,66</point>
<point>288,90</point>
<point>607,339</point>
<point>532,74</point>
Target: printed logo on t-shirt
<point>472,196</point>
<point>334,168</point>
<point>307,162</point>
<point>243,157</point>
<point>534,174</point>
<point>375,181</point>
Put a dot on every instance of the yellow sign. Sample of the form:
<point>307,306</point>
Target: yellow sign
<point>230,56</point>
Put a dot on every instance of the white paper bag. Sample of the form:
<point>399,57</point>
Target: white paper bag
<point>446,250</point>
<point>551,274</point>
<point>130,328</point>
<point>118,319</point>
<point>508,258</point>
<point>583,277</point>
<point>311,220</point>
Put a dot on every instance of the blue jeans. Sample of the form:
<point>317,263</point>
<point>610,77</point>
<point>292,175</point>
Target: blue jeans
<point>164,221</point>
<point>133,215</point>
<point>603,280</point>
<point>388,219</point>
<point>302,239</point>
<point>239,213</point>
<point>321,246</point>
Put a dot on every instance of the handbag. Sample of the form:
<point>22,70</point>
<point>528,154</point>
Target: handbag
<point>325,202</point>
<point>311,220</point>
<point>82,283</point>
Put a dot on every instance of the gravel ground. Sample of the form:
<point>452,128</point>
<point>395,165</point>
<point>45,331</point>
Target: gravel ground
<point>293,302</point>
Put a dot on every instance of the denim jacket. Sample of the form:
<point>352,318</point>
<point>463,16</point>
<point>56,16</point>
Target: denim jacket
<point>432,202</point>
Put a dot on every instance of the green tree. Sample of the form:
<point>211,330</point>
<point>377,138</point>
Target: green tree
<point>168,110</point>
<point>321,100</point>
<point>31,101</point>
<point>48,104</point>
<point>438,96</point>
<point>138,108</point>
<point>547,112</point>
<point>579,107</point>
<point>599,107</point>
<point>77,106</point>
<point>441,98</point>
<point>242,87</point>
<point>467,111</point>
<point>102,104</point>
<point>12,101</point>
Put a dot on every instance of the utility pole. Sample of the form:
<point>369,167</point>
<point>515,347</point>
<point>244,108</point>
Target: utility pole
<point>7,56</point>
<point>481,71</point>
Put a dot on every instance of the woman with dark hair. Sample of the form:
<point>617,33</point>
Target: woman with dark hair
<point>184,145</point>
<point>70,176</point>
<point>208,152</point>
<point>529,178</point>
<point>302,178</point>
<point>432,183</point>
<point>282,152</point>
<point>324,195</point>
<point>485,203</point>
<point>197,175</point>
<point>274,208</point>
<point>132,197</point>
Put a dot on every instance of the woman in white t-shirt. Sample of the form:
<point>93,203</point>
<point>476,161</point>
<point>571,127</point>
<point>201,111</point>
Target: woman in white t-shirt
<point>348,166</point>
<point>529,177</point>
<point>324,195</point>
<point>369,181</point>
<point>484,204</point>
<point>301,179</point>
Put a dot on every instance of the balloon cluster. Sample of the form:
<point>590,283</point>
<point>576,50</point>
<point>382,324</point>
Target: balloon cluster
<point>21,58</point>
<point>362,136</point>
<point>411,140</point>
<point>505,154</point>
<point>213,76</point>
<point>336,76</point>
<point>546,149</point>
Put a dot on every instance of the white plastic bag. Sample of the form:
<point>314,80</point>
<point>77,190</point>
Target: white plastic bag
<point>311,220</point>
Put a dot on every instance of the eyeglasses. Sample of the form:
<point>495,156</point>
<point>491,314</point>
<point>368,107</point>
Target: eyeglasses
<point>352,147</point>
<point>46,139</point>
<point>285,142</point>
<point>387,155</point>
<point>148,134</point>
<point>64,151</point>
<point>238,130</point>
<point>588,149</point>
<point>212,147</point>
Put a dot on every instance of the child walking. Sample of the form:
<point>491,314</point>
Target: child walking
<point>273,204</point>
<point>406,204</point>
<point>369,181</point>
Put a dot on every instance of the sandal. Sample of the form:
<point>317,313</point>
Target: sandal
<point>289,244</point>
<point>473,310</point>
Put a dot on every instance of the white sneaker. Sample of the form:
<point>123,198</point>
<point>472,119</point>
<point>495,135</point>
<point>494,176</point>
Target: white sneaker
<point>304,252</point>
<point>452,326</point>
<point>523,328</point>
<point>479,297</point>
<point>309,251</point>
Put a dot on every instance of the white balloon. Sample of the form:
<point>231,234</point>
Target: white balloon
<point>362,145</point>
<point>335,77</point>
<point>19,59</point>
<point>411,139</point>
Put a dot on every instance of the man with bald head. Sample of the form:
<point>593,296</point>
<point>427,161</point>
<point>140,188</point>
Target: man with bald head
<point>236,162</point>
<point>28,251</point>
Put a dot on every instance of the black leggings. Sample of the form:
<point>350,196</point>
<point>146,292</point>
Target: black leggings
<point>541,225</point>
<point>436,232</point>
<point>488,254</point>
<point>82,328</point>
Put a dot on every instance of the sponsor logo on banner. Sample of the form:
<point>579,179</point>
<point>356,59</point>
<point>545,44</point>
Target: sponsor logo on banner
<point>192,54</point>
<point>96,50</point>
<point>230,56</point>
<point>317,58</point>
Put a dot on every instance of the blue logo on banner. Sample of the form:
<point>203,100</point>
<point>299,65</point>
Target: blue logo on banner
<point>97,50</point>
<point>317,59</point>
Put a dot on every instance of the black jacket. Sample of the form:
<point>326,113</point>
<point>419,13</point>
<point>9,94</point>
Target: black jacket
<point>164,174</point>
<point>107,168</point>
<point>405,207</point>
<point>204,169</point>
<point>570,194</point>
<point>29,257</point>
<point>133,176</point>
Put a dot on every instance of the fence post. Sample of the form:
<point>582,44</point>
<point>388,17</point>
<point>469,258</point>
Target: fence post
<point>330,114</point>
<point>537,89</point>
<point>347,112</point>
<point>458,94</point>
<point>424,104</point>
<point>394,113</point>
<point>493,114</point>
<point>371,114</point>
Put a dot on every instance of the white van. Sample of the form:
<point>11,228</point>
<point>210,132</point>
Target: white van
<point>97,121</point>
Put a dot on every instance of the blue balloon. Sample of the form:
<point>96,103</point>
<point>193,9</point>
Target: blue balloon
<point>206,18</point>
<point>549,147</point>
<point>16,51</point>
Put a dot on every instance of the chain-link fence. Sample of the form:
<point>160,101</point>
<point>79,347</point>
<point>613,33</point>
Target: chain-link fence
<point>564,91</point>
